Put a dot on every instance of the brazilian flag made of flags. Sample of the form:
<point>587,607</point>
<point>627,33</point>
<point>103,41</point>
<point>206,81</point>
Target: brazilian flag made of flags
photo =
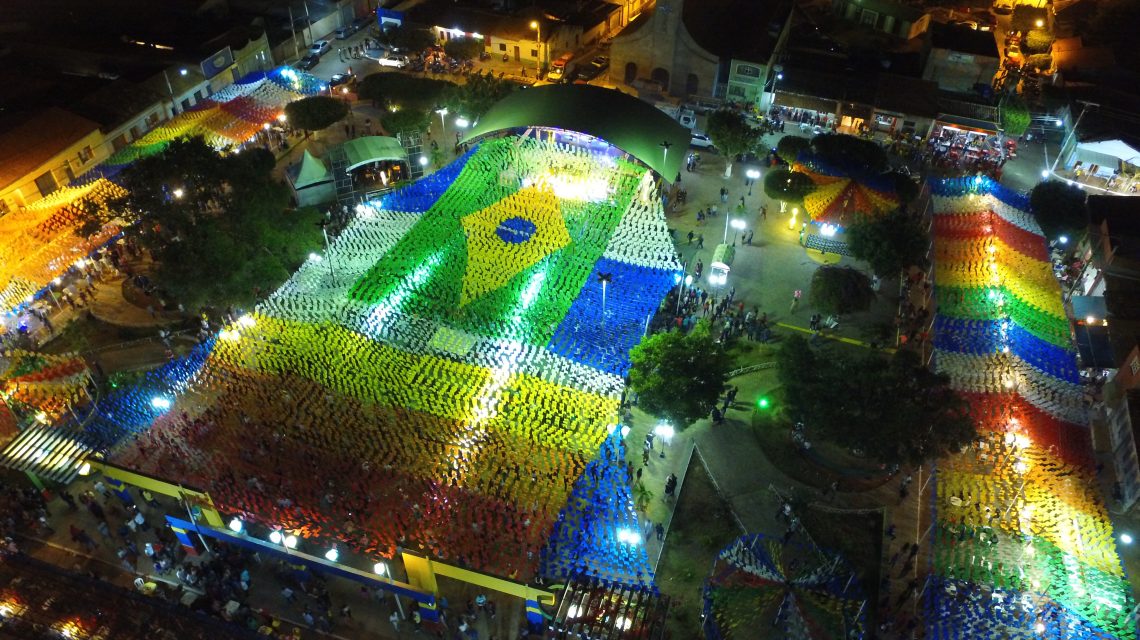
<point>497,255</point>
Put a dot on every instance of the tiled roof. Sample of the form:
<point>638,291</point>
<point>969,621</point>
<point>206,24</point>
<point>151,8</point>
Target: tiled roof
<point>34,142</point>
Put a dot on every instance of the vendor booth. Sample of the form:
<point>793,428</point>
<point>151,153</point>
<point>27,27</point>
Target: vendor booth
<point>721,264</point>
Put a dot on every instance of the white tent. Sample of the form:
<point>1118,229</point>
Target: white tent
<point>1107,154</point>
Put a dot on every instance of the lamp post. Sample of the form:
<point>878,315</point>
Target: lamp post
<point>538,43</point>
<point>442,111</point>
<point>605,279</point>
<point>323,224</point>
<point>665,144</point>
<point>752,176</point>
<point>737,226</point>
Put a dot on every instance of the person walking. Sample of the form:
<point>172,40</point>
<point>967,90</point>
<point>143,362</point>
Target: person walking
<point>795,300</point>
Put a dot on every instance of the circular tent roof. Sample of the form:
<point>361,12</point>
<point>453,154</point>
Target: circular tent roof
<point>630,124</point>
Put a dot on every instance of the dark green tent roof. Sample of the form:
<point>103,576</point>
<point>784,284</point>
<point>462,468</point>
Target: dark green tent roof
<point>629,124</point>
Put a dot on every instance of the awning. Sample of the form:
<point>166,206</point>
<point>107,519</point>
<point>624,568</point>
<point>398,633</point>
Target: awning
<point>969,124</point>
<point>312,172</point>
<point>361,151</point>
<point>1089,307</point>
<point>1094,347</point>
<point>48,452</point>
<point>723,256</point>
<point>796,101</point>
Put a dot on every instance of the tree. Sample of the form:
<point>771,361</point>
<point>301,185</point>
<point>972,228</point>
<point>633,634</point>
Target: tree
<point>463,48</point>
<point>677,376</point>
<point>402,91</point>
<point>1038,41</point>
<point>1014,115</point>
<point>850,154</point>
<point>404,120</point>
<point>732,134</point>
<point>1026,17</point>
<point>473,98</point>
<point>788,186</point>
<point>408,38</point>
<point>216,226</point>
<point>894,409</point>
<point>1059,208</point>
<point>906,188</point>
<point>889,244</point>
<point>789,147</point>
<point>315,112</point>
<point>840,290</point>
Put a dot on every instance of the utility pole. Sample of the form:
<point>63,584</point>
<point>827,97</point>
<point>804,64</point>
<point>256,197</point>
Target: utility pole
<point>293,30</point>
<point>1085,105</point>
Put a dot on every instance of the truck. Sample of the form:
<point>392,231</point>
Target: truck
<point>687,117</point>
<point>559,68</point>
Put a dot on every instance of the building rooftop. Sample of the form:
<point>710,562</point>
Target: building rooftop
<point>33,142</point>
<point>737,29</point>
<point>963,40</point>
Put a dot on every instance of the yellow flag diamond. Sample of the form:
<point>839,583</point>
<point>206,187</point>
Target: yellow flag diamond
<point>509,237</point>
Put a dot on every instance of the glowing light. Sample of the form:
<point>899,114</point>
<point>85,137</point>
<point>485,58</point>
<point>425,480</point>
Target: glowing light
<point>265,126</point>
<point>623,623</point>
<point>235,525</point>
<point>1040,626</point>
<point>331,555</point>
<point>688,280</point>
<point>664,430</point>
<point>1044,173</point>
<point>275,537</point>
<point>84,469</point>
<point>1126,538</point>
<point>177,193</point>
<point>229,335</point>
<point>1040,23</point>
<point>1090,320</point>
<point>828,230</point>
<point>380,569</point>
<point>315,257</point>
<point>158,402</point>
<point>624,430</point>
<point>42,417</point>
<point>1063,239</point>
<point>423,161</point>
<point>291,541</point>
<point>181,72</point>
<point>281,117</point>
<point>574,611</point>
<point>246,321</point>
<point>462,122</point>
<point>628,536</point>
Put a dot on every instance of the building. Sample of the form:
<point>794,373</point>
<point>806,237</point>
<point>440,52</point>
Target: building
<point>1102,299</point>
<point>899,20</point>
<point>42,152</point>
<point>716,49</point>
<point>961,58</point>
<point>883,103</point>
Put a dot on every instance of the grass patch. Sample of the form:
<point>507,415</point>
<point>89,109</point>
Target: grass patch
<point>702,526</point>
<point>90,334</point>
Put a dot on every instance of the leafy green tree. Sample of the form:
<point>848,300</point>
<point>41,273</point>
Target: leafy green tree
<point>789,147</point>
<point>894,409</point>
<point>315,112</point>
<point>850,153</point>
<point>1014,115</point>
<point>408,38</point>
<point>216,226</point>
<point>402,91</point>
<point>1059,208</point>
<point>1038,41</point>
<point>463,48</point>
<point>732,135</point>
<point>405,120</point>
<point>679,376</point>
<point>788,186</point>
<point>473,98</point>
<point>889,244</point>
<point>1040,61</point>
<point>840,290</point>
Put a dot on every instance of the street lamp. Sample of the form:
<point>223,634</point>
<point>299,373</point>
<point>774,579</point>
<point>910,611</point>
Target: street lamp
<point>178,193</point>
<point>605,279</point>
<point>442,111</point>
<point>664,431</point>
<point>235,525</point>
<point>538,42</point>
<point>738,226</point>
<point>752,176</point>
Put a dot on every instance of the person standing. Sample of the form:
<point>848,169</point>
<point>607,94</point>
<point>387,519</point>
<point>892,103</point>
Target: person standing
<point>395,620</point>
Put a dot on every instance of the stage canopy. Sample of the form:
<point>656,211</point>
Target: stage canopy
<point>361,151</point>
<point>634,126</point>
<point>312,172</point>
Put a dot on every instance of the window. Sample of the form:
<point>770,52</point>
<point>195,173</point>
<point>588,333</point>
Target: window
<point>46,183</point>
<point>502,46</point>
<point>908,124</point>
<point>534,53</point>
<point>869,18</point>
<point>1135,366</point>
<point>747,70</point>
<point>85,155</point>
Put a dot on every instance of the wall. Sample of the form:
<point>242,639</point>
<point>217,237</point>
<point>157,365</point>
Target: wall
<point>955,71</point>
<point>24,191</point>
<point>664,43</point>
<point>743,87</point>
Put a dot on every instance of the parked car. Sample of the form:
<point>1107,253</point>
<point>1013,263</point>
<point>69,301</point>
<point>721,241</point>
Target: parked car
<point>319,48</point>
<point>1002,7</point>
<point>700,140</point>
<point>394,60</point>
<point>601,63</point>
<point>308,62</point>
<point>341,78</point>
<point>344,32</point>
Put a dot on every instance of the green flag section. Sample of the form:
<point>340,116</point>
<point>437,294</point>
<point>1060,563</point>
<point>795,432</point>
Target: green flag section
<point>506,250</point>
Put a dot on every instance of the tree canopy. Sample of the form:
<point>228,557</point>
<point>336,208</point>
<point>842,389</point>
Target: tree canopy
<point>473,98</point>
<point>787,185</point>
<point>852,154</point>
<point>406,119</point>
<point>1014,115</point>
<point>889,244</point>
<point>732,135</point>
<point>840,290</point>
<point>315,112</point>
<point>402,91</point>
<point>894,409</point>
<point>789,147</point>
<point>679,376</point>
<point>407,38</point>
<point>463,48</point>
<point>216,226</point>
<point>1059,208</point>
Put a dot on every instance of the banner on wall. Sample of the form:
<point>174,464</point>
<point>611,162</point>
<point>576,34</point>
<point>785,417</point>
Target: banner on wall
<point>217,63</point>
